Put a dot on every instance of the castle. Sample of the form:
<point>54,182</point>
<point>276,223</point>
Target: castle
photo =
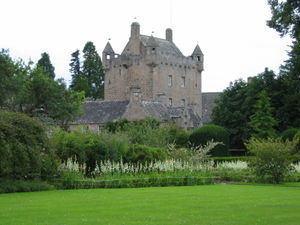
<point>150,78</point>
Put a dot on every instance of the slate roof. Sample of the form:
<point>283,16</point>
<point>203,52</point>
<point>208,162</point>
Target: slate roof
<point>164,45</point>
<point>108,48</point>
<point>156,110</point>
<point>197,51</point>
<point>102,111</point>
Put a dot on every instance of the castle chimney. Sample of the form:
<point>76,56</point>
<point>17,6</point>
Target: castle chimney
<point>135,39</point>
<point>135,94</point>
<point>169,35</point>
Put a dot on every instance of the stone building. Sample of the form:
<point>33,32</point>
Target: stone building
<point>150,78</point>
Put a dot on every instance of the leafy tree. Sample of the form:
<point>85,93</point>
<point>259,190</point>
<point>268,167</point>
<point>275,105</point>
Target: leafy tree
<point>48,98</point>
<point>286,20</point>
<point>92,71</point>
<point>45,65</point>
<point>231,113</point>
<point>262,121</point>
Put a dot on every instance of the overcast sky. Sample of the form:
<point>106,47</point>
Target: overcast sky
<point>232,34</point>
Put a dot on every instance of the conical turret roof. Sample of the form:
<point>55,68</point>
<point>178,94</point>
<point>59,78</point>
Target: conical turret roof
<point>197,51</point>
<point>108,48</point>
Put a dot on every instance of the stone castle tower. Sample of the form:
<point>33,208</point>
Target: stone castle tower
<point>154,69</point>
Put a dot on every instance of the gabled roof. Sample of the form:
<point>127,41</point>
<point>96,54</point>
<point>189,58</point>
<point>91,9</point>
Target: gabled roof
<point>197,51</point>
<point>102,111</point>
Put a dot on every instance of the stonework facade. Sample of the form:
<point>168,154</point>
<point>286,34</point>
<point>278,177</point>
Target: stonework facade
<point>150,78</point>
<point>157,67</point>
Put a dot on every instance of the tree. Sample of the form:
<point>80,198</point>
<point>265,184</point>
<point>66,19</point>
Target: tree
<point>45,65</point>
<point>286,20</point>
<point>93,72</point>
<point>262,121</point>
<point>231,114</point>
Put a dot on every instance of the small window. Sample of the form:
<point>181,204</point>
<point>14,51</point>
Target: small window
<point>182,82</point>
<point>153,50</point>
<point>107,56</point>
<point>182,102</point>
<point>170,102</point>
<point>170,82</point>
<point>199,58</point>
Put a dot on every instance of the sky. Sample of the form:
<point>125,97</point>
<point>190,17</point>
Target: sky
<point>232,34</point>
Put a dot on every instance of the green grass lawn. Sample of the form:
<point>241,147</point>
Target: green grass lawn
<point>207,205</point>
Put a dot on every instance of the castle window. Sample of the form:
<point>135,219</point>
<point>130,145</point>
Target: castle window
<point>107,56</point>
<point>170,102</point>
<point>153,50</point>
<point>182,102</point>
<point>170,82</point>
<point>182,82</point>
<point>199,58</point>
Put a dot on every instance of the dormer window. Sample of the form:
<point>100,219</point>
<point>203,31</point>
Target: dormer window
<point>107,56</point>
<point>199,58</point>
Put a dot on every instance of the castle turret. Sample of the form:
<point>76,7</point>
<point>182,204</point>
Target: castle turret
<point>169,34</point>
<point>134,45</point>
<point>107,55</point>
<point>198,57</point>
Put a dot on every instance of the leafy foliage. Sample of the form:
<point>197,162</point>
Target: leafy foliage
<point>25,151</point>
<point>141,154</point>
<point>203,135</point>
<point>45,66</point>
<point>262,122</point>
<point>289,134</point>
<point>92,72</point>
<point>272,160</point>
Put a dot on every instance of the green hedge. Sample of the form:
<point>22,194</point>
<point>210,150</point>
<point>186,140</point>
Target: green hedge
<point>289,134</point>
<point>141,153</point>
<point>10,186</point>
<point>210,132</point>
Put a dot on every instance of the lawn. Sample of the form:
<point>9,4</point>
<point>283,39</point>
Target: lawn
<point>207,205</point>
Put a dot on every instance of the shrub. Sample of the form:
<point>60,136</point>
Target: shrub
<point>142,154</point>
<point>202,135</point>
<point>289,134</point>
<point>272,159</point>
<point>88,148</point>
<point>173,134</point>
<point>24,148</point>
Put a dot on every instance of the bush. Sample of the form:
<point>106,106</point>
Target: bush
<point>202,135</point>
<point>10,186</point>
<point>141,154</point>
<point>272,160</point>
<point>173,134</point>
<point>89,148</point>
<point>24,148</point>
<point>289,134</point>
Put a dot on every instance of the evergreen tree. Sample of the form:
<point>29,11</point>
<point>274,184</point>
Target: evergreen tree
<point>93,72</point>
<point>45,66</point>
<point>79,81</point>
<point>262,121</point>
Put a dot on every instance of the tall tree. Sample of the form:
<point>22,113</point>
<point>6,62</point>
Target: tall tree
<point>262,121</point>
<point>286,20</point>
<point>79,81</point>
<point>93,72</point>
<point>45,65</point>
